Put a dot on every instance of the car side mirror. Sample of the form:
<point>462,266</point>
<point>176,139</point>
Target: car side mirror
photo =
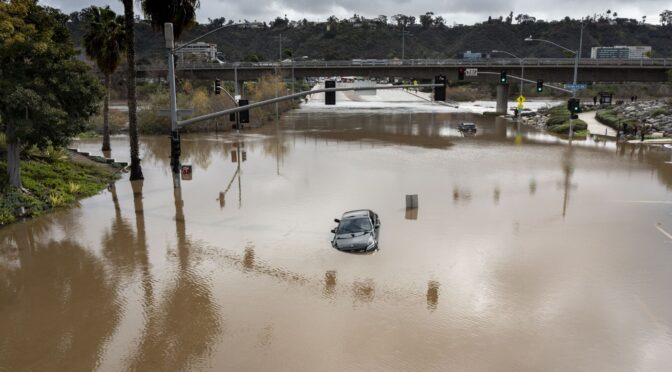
<point>333,231</point>
<point>377,225</point>
<point>337,220</point>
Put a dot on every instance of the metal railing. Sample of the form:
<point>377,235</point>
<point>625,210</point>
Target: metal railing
<point>386,63</point>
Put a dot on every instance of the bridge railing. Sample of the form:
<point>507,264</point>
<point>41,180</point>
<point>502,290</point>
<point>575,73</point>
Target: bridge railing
<point>355,63</point>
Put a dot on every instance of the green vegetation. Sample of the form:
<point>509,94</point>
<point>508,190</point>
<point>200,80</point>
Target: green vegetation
<point>558,122</point>
<point>48,96</point>
<point>52,180</point>
<point>154,120</point>
<point>609,118</point>
<point>358,37</point>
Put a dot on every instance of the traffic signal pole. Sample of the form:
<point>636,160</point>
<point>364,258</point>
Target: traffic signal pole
<point>174,127</point>
<point>174,133</point>
<point>214,115</point>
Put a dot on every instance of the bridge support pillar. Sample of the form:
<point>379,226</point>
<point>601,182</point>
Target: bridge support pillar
<point>502,98</point>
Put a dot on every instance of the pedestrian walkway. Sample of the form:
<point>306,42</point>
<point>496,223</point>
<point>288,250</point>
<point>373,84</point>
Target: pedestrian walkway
<point>594,126</point>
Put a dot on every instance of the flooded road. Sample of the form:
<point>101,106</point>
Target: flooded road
<point>525,254</point>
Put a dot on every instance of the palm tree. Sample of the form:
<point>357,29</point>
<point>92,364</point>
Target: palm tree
<point>181,13</point>
<point>129,19</point>
<point>104,42</point>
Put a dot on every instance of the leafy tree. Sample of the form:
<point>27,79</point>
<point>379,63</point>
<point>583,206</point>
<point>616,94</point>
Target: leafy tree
<point>666,18</point>
<point>426,19</point>
<point>104,42</point>
<point>47,95</point>
<point>129,25</point>
<point>279,22</point>
<point>217,22</point>
<point>524,18</point>
<point>182,13</point>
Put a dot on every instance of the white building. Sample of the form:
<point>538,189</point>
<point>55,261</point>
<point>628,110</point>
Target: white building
<point>199,51</point>
<point>620,51</point>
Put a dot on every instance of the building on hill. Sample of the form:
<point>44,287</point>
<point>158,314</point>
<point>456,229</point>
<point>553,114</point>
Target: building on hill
<point>197,52</point>
<point>621,52</point>
<point>472,55</point>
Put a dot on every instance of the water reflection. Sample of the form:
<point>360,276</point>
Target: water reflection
<point>329,284</point>
<point>432,295</point>
<point>364,291</point>
<point>183,324</point>
<point>568,171</point>
<point>58,308</point>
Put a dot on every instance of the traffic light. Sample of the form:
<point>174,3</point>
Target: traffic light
<point>460,73</point>
<point>574,105</point>
<point>540,85</point>
<point>218,86</point>
<point>330,97</point>
<point>502,77</point>
<point>244,115</point>
<point>440,91</point>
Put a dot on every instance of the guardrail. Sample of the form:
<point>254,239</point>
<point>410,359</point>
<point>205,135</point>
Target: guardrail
<point>491,62</point>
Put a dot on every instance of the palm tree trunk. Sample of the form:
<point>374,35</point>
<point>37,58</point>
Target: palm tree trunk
<point>136,170</point>
<point>106,113</point>
<point>13,155</point>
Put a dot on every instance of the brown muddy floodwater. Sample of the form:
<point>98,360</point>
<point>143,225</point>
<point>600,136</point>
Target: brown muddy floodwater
<point>525,254</point>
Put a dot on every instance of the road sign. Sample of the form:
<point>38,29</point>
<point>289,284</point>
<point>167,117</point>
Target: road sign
<point>575,87</point>
<point>520,105</point>
<point>521,99</point>
<point>471,72</point>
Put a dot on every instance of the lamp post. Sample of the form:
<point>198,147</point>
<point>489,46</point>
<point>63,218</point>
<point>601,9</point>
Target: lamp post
<point>174,133</point>
<point>403,41</point>
<point>522,66</point>
<point>577,56</point>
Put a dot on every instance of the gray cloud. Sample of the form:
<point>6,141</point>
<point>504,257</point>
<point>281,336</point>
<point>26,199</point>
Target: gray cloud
<point>454,11</point>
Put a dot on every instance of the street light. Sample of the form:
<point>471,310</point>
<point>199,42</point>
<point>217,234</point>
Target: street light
<point>577,56</point>
<point>174,135</point>
<point>522,66</point>
<point>403,41</point>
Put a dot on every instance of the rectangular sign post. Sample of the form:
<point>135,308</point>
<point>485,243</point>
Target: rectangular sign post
<point>186,172</point>
<point>471,72</point>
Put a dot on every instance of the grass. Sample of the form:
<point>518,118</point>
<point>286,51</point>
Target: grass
<point>608,117</point>
<point>52,181</point>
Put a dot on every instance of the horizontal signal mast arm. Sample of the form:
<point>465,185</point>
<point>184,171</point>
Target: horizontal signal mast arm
<point>218,114</point>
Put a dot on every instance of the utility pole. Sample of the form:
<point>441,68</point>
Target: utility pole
<point>174,133</point>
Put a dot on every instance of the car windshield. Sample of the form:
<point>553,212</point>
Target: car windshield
<point>354,225</point>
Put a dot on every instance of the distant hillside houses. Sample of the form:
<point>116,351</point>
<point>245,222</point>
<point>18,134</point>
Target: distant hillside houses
<point>621,52</point>
<point>197,52</point>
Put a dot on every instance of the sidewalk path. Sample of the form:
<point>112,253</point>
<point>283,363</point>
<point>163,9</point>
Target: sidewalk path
<point>594,126</point>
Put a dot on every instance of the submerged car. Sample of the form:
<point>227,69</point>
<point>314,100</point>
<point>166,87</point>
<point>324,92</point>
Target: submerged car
<point>357,231</point>
<point>467,127</point>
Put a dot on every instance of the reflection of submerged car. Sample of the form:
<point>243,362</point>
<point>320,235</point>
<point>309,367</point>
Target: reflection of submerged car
<point>467,127</point>
<point>357,231</point>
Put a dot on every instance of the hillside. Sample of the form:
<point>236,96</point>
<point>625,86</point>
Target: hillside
<point>348,39</point>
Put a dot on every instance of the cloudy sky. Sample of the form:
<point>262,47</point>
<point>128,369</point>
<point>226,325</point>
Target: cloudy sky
<point>454,11</point>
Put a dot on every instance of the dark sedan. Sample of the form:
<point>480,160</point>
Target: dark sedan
<point>357,231</point>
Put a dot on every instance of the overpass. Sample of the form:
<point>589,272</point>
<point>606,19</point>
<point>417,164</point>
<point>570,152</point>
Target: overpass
<point>548,69</point>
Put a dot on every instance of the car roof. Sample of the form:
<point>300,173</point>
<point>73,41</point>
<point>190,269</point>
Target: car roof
<point>468,124</point>
<point>356,213</point>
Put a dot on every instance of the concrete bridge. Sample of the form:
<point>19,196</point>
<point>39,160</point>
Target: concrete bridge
<point>548,69</point>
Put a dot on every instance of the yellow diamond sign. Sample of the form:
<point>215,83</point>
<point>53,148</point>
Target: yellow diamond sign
<point>520,105</point>
<point>521,99</point>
